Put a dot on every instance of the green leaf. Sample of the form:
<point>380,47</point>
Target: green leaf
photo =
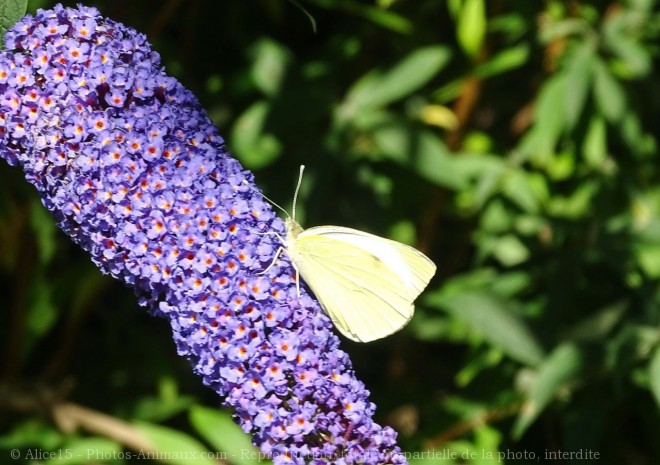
<point>417,149</point>
<point>255,148</point>
<point>488,439</point>
<point>548,119</point>
<point>505,61</point>
<point>628,347</point>
<point>561,366</point>
<point>641,6</point>
<point>596,327</point>
<point>518,188</point>
<point>594,147</point>
<point>45,231</point>
<point>33,432</point>
<point>403,231</point>
<point>488,182</point>
<point>648,257</point>
<point>409,75</point>
<point>471,27</point>
<point>654,375</point>
<point>269,67</point>
<point>609,94</point>
<point>633,60</point>
<point>164,406</point>
<point>576,205</point>
<point>218,429</point>
<point>552,31</point>
<point>511,25</point>
<point>636,139</point>
<point>471,281</point>
<point>509,284</point>
<point>495,319</point>
<point>477,364</point>
<point>510,251</point>
<point>174,447</point>
<point>579,72</point>
<point>433,162</point>
<point>85,451</point>
<point>454,7</point>
<point>42,314</point>
<point>495,218</point>
<point>10,12</point>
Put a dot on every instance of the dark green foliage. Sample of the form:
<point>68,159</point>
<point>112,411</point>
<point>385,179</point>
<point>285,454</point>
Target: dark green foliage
<point>514,142</point>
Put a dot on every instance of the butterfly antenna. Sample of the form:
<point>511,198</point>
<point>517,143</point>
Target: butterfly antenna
<point>295,195</point>
<point>265,197</point>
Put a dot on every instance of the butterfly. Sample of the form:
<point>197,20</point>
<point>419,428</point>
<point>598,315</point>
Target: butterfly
<point>366,284</point>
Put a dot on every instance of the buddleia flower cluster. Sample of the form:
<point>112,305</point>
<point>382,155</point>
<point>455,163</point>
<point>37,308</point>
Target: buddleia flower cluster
<point>135,173</point>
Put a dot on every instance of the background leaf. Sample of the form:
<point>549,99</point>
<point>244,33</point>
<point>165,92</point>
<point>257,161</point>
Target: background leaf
<point>495,321</point>
<point>219,430</point>
<point>558,368</point>
<point>471,26</point>
<point>406,77</point>
<point>10,12</point>
<point>654,375</point>
<point>174,447</point>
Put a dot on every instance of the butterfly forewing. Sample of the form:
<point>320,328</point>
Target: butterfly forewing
<point>413,267</point>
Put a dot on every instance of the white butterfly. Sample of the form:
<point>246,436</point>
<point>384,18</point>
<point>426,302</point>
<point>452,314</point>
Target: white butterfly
<point>367,284</point>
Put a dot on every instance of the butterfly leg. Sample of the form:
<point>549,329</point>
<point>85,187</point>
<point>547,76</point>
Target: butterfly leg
<point>277,255</point>
<point>298,282</point>
<point>272,233</point>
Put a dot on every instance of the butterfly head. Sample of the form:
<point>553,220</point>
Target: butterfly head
<point>293,229</point>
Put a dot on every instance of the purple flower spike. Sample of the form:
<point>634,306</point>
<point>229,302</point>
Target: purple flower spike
<point>133,170</point>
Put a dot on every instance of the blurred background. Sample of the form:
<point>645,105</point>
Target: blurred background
<point>514,142</point>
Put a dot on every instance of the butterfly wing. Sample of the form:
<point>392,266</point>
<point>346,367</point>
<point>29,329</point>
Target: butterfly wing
<point>366,284</point>
<point>413,267</point>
